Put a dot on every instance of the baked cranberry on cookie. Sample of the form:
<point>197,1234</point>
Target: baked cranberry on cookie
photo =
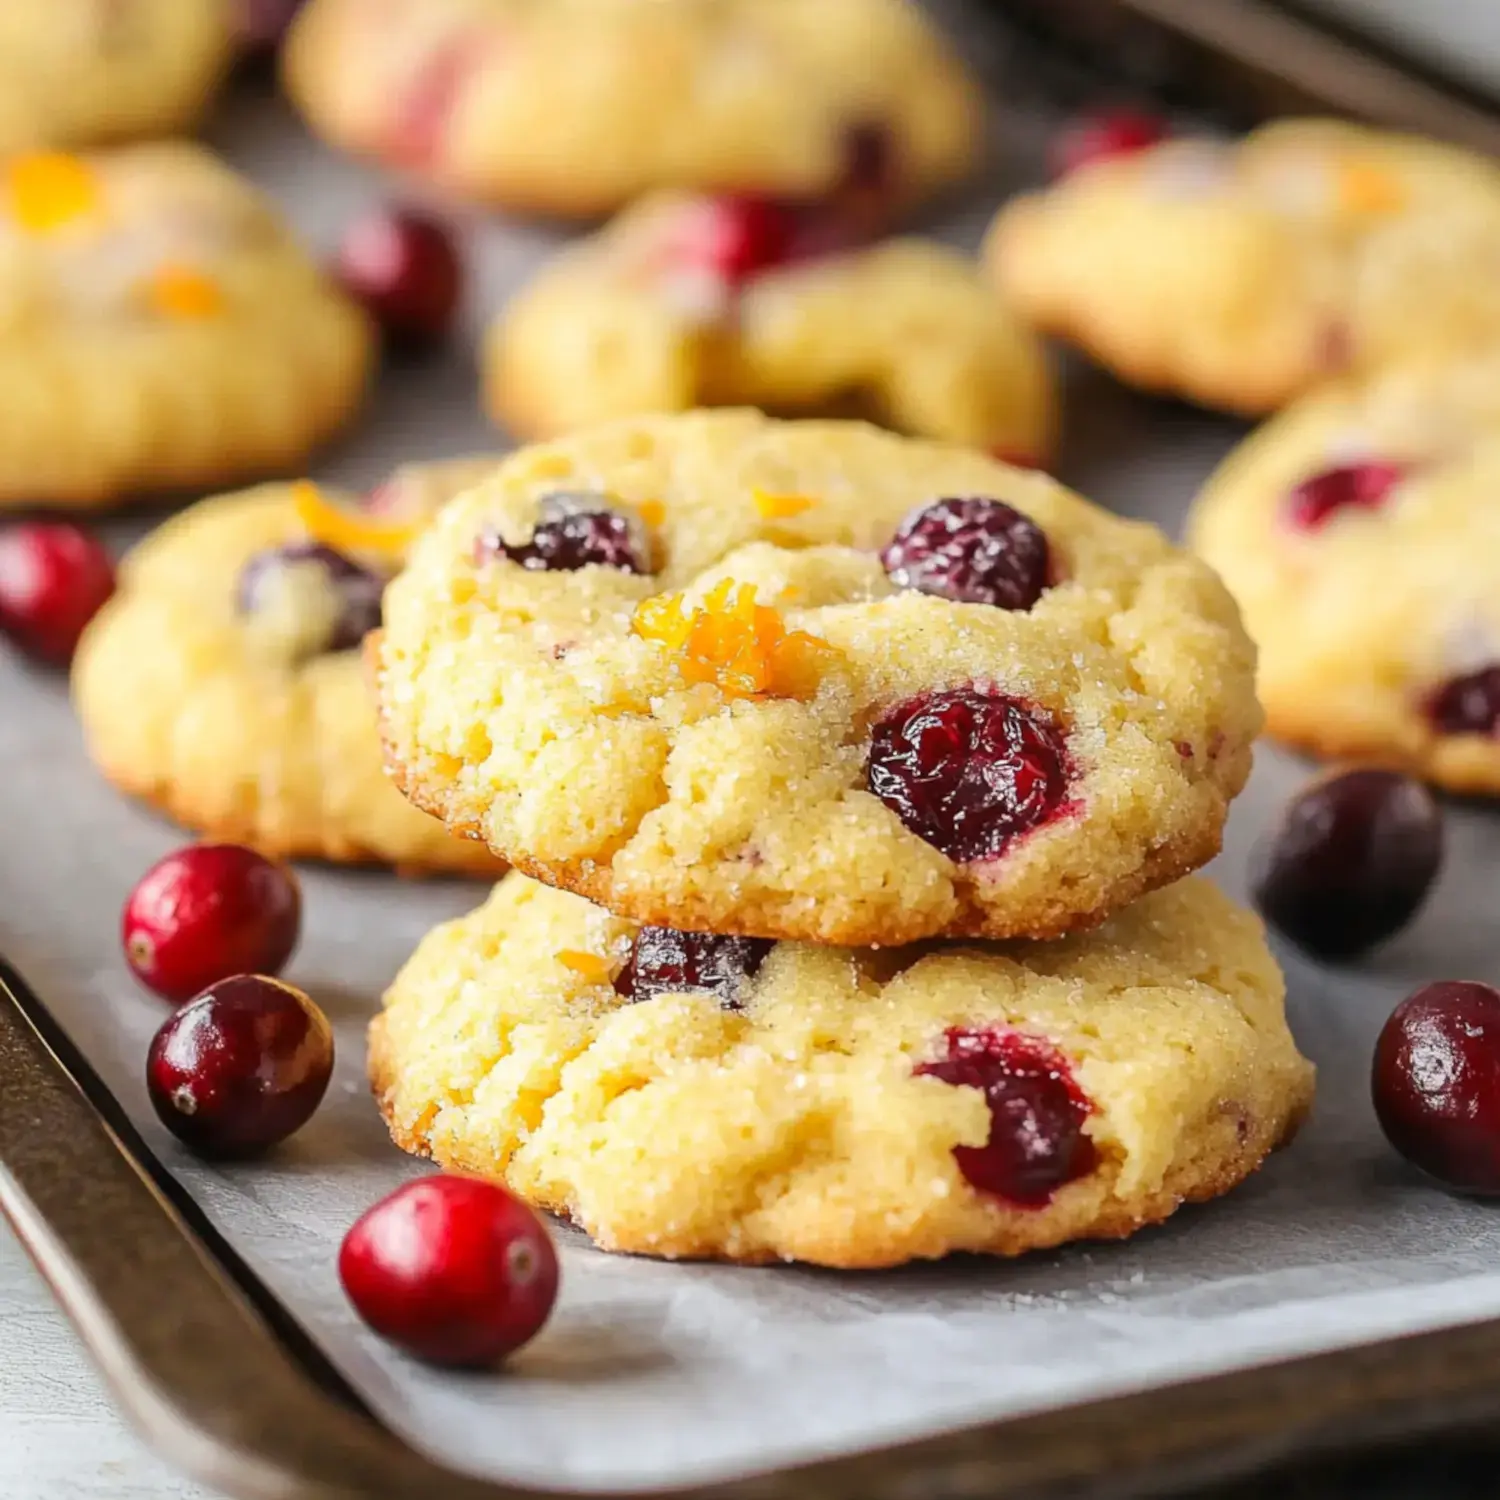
<point>814,681</point>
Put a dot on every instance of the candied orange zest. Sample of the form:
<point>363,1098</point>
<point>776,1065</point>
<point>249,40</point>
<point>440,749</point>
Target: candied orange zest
<point>50,189</point>
<point>593,968</point>
<point>181,292</point>
<point>1367,189</point>
<point>774,507</point>
<point>343,529</point>
<point>652,512</point>
<point>731,642</point>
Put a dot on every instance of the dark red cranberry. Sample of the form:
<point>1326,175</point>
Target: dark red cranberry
<point>969,770</point>
<point>208,912</point>
<point>261,24</point>
<point>453,1270</point>
<point>240,1068</point>
<point>1351,862</point>
<point>405,268</point>
<point>737,238</point>
<point>1364,486</point>
<point>53,580</point>
<point>974,551</point>
<point>358,590</point>
<point>1436,1083</point>
<point>1468,704</point>
<point>667,962</point>
<point>1037,1112</point>
<point>1105,135</point>
<point>575,529</point>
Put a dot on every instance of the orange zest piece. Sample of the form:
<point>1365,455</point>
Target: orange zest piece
<point>344,529</point>
<point>50,189</point>
<point>181,292</point>
<point>1367,189</point>
<point>774,507</point>
<point>652,512</point>
<point>741,647</point>
<point>590,965</point>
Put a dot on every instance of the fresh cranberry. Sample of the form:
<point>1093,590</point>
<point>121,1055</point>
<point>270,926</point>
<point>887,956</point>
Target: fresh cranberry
<point>665,961</point>
<point>1037,1112</point>
<point>405,268</point>
<point>53,580</point>
<point>1436,1083</point>
<point>968,770</point>
<point>574,529</point>
<point>1318,499</point>
<point>1351,862</point>
<point>1105,135</point>
<point>1468,705</point>
<point>240,1068</point>
<point>357,590</point>
<point>453,1270</point>
<point>973,551</point>
<point>737,238</point>
<point>261,24</point>
<point>208,912</point>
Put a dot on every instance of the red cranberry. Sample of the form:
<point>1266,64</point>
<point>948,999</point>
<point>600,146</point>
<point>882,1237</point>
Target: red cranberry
<point>1318,499</point>
<point>1436,1083</point>
<point>1105,135</point>
<point>240,1068</point>
<point>208,912</point>
<point>968,770</point>
<point>53,579</point>
<point>358,591</point>
<point>1468,705</point>
<point>455,1271</point>
<point>405,268</point>
<point>973,551</point>
<point>1037,1111</point>
<point>261,24</point>
<point>737,237</point>
<point>667,962</point>
<point>1351,863</point>
<point>574,529</point>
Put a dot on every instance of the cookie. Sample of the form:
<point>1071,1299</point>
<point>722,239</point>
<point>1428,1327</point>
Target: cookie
<point>83,72</point>
<point>1239,276</point>
<point>575,107</point>
<point>159,329</point>
<point>689,1096</point>
<point>689,301</point>
<point>814,681</point>
<point>1358,531</point>
<point>222,683</point>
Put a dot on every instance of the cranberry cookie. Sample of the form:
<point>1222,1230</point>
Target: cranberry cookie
<point>813,681</point>
<point>1240,275</point>
<point>1358,532</point>
<point>159,329</point>
<point>82,72</point>
<point>223,684</point>
<point>578,106</point>
<point>689,301</point>
<point>690,1096</point>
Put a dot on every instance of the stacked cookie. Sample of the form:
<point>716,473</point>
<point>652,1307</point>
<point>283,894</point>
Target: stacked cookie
<point>784,714</point>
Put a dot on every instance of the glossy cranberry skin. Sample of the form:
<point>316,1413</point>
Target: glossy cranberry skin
<point>53,580</point>
<point>973,551</point>
<point>1351,862</point>
<point>260,25</point>
<point>1468,704</point>
<point>240,1068</point>
<point>1436,1083</point>
<point>574,529</point>
<point>208,912</point>
<point>969,771</point>
<point>665,961</point>
<point>1105,135</point>
<point>405,268</point>
<point>1365,486</point>
<point>359,590</point>
<point>737,237</point>
<point>1037,1113</point>
<point>453,1270</point>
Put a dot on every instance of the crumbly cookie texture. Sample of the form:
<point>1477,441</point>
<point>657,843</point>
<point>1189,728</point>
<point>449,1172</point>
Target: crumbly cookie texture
<point>83,72</point>
<point>820,1115</point>
<point>1357,531</point>
<point>159,329</point>
<point>690,736</point>
<point>1240,275</point>
<point>634,320</point>
<point>222,683</point>
<point>579,106</point>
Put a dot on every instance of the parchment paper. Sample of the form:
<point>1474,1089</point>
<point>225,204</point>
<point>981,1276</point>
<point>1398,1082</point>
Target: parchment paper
<point>650,1374</point>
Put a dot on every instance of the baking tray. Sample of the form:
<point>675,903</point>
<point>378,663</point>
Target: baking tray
<point>208,1296</point>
